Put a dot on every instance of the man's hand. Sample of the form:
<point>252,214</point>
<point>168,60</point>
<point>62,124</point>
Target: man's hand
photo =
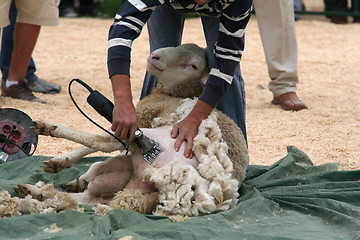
<point>187,129</point>
<point>124,114</point>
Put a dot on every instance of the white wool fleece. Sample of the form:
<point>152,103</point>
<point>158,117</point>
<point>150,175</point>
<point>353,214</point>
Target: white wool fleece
<point>184,190</point>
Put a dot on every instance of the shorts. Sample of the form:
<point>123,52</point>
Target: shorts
<point>36,12</point>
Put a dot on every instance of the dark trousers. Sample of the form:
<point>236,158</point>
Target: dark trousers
<point>335,5</point>
<point>165,28</point>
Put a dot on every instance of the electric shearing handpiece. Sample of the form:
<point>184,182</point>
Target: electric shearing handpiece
<point>149,148</point>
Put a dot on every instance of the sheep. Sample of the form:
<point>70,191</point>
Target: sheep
<point>173,184</point>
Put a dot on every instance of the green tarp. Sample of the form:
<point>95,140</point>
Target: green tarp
<point>292,199</point>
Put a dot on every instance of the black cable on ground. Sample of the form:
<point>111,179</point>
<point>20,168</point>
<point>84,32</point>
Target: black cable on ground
<point>83,113</point>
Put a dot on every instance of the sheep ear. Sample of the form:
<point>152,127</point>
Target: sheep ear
<point>205,76</point>
<point>204,79</point>
<point>206,56</point>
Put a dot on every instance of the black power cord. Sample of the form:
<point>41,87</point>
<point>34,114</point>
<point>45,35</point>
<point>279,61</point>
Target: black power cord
<point>4,139</point>
<point>101,104</point>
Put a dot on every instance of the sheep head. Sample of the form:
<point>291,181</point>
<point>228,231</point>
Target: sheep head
<point>181,71</point>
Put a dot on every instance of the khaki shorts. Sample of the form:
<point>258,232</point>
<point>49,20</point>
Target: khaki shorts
<point>37,12</point>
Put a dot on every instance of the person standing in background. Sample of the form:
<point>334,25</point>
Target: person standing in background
<point>338,6</point>
<point>31,16</point>
<point>35,83</point>
<point>341,6</point>
<point>277,30</point>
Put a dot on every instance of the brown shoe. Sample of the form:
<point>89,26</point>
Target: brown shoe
<point>20,91</point>
<point>339,20</point>
<point>289,101</point>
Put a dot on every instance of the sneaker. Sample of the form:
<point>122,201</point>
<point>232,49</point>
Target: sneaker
<point>68,13</point>
<point>20,91</point>
<point>41,86</point>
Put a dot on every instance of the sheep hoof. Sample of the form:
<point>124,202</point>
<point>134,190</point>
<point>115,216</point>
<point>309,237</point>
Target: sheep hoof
<point>74,186</point>
<point>42,128</point>
<point>24,190</point>
<point>38,127</point>
<point>53,165</point>
<point>19,191</point>
<point>70,188</point>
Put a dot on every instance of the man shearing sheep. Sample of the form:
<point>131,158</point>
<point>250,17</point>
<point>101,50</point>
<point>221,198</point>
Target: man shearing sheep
<point>225,86</point>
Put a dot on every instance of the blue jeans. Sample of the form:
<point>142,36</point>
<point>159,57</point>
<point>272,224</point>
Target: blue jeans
<point>298,6</point>
<point>7,41</point>
<point>165,28</point>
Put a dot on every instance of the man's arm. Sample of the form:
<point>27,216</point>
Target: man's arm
<point>127,26</point>
<point>124,114</point>
<point>187,129</point>
<point>228,50</point>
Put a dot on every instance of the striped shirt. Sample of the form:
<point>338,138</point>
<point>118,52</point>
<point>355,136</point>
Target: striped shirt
<point>233,15</point>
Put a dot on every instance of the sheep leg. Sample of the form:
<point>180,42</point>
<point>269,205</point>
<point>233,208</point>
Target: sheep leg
<point>103,178</point>
<point>136,201</point>
<point>108,184</point>
<point>111,176</point>
<point>39,191</point>
<point>27,189</point>
<point>80,184</point>
<point>48,195</point>
<point>104,142</point>
<point>58,163</point>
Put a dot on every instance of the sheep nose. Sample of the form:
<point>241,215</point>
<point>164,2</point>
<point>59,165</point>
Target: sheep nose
<point>154,56</point>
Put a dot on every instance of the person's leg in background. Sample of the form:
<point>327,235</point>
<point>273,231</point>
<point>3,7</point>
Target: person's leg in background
<point>31,16</point>
<point>16,86</point>
<point>355,7</point>
<point>7,43</point>
<point>339,6</point>
<point>277,30</point>
<point>162,33</point>
<point>7,40</point>
<point>298,6</point>
<point>90,8</point>
<point>67,9</point>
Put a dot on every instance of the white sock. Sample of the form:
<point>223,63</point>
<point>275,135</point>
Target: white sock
<point>10,83</point>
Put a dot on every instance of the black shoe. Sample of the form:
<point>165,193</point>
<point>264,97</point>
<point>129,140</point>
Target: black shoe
<point>339,20</point>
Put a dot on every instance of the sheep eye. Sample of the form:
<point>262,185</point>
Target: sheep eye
<point>194,67</point>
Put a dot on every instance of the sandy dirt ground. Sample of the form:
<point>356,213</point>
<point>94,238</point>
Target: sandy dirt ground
<point>329,56</point>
